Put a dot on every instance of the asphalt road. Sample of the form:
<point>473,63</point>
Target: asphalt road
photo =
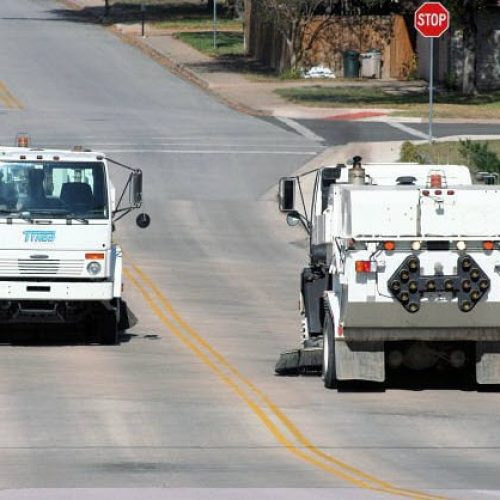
<point>334,133</point>
<point>189,399</point>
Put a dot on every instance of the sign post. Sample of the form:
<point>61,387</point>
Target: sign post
<point>432,19</point>
<point>215,24</point>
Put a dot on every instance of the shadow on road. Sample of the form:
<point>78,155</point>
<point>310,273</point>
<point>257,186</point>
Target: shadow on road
<point>179,16</point>
<point>129,12</point>
<point>52,336</point>
<point>445,380</point>
<point>408,380</point>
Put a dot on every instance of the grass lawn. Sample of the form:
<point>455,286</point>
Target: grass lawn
<point>179,15</point>
<point>449,152</point>
<point>228,42</point>
<point>448,104</point>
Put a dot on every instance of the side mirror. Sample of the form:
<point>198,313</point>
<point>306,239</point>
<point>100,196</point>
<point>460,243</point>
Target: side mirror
<point>143,221</point>
<point>287,194</point>
<point>136,188</point>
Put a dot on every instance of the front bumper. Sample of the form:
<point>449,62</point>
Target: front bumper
<point>56,290</point>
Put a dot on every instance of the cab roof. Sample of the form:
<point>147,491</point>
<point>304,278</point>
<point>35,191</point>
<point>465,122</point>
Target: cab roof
<point>38,154</point>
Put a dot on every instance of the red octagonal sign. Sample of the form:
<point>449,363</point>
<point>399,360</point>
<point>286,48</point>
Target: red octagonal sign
<point>432,19</point>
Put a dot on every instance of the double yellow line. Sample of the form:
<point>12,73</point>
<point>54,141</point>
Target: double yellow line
<point>8,99</point>
<point>271,416</point>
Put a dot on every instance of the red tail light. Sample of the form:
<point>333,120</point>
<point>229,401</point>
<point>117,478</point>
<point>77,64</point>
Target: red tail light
<point>365,266</point>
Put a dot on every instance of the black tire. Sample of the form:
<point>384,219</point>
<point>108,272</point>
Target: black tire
<point>124,323</point>
<point>329,372</point>
<point>107,329</point>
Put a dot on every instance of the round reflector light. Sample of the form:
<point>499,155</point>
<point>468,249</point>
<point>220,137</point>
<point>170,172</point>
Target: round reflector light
<point>488,246</point>
<point>389,246</point>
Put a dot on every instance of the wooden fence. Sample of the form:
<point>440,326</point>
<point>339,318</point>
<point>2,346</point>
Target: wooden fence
<point>389,34</point>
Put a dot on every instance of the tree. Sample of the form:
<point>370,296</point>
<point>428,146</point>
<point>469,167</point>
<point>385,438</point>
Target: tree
<point>464,16</point>
<point>292,19</point>
<point>235,9</point>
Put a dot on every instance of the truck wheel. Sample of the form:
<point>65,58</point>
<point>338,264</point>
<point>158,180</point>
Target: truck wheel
<point>329,373</point>
<point>107,329</point>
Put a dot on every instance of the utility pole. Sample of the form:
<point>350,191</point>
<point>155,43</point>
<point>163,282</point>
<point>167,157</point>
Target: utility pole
<point>106,8</point>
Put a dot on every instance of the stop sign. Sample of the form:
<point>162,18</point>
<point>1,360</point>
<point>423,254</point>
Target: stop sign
<point>432,19</point>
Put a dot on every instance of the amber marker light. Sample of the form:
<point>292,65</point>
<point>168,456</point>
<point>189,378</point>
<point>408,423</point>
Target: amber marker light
<point>389,246</point>
<point>94,256</point>
<point>22,140</point>
<point>488,246</point>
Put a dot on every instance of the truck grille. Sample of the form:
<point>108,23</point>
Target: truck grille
<point>43,267</point>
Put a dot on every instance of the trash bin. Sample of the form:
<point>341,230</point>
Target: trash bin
<point>351,64</point>
<point>371,64</point>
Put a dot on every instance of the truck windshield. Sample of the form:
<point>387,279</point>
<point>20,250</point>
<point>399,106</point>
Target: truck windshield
<point>53,189</point>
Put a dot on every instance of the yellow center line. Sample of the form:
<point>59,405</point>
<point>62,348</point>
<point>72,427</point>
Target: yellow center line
<point>310,453</point>
<point>8,98</point>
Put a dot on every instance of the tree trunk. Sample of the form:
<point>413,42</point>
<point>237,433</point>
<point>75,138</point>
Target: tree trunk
<point>469,77</point>
<point>292,56</point>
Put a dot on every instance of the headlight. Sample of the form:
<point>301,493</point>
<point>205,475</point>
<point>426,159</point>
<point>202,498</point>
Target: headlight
<point>94,268</point>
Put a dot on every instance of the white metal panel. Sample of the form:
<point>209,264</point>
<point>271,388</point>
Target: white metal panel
<point>375,212</point>
<point>369,304</point>
<point>58,235</point>
<point>468,212</point>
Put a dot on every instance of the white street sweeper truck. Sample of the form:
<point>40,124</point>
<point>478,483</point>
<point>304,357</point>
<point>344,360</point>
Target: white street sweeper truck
<point>58,262</point>
<point>404,272</point>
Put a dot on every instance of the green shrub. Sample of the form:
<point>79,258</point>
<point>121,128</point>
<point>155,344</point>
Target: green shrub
<point>479,156</point>
<point>291,74</point>
<point>409,153</point>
